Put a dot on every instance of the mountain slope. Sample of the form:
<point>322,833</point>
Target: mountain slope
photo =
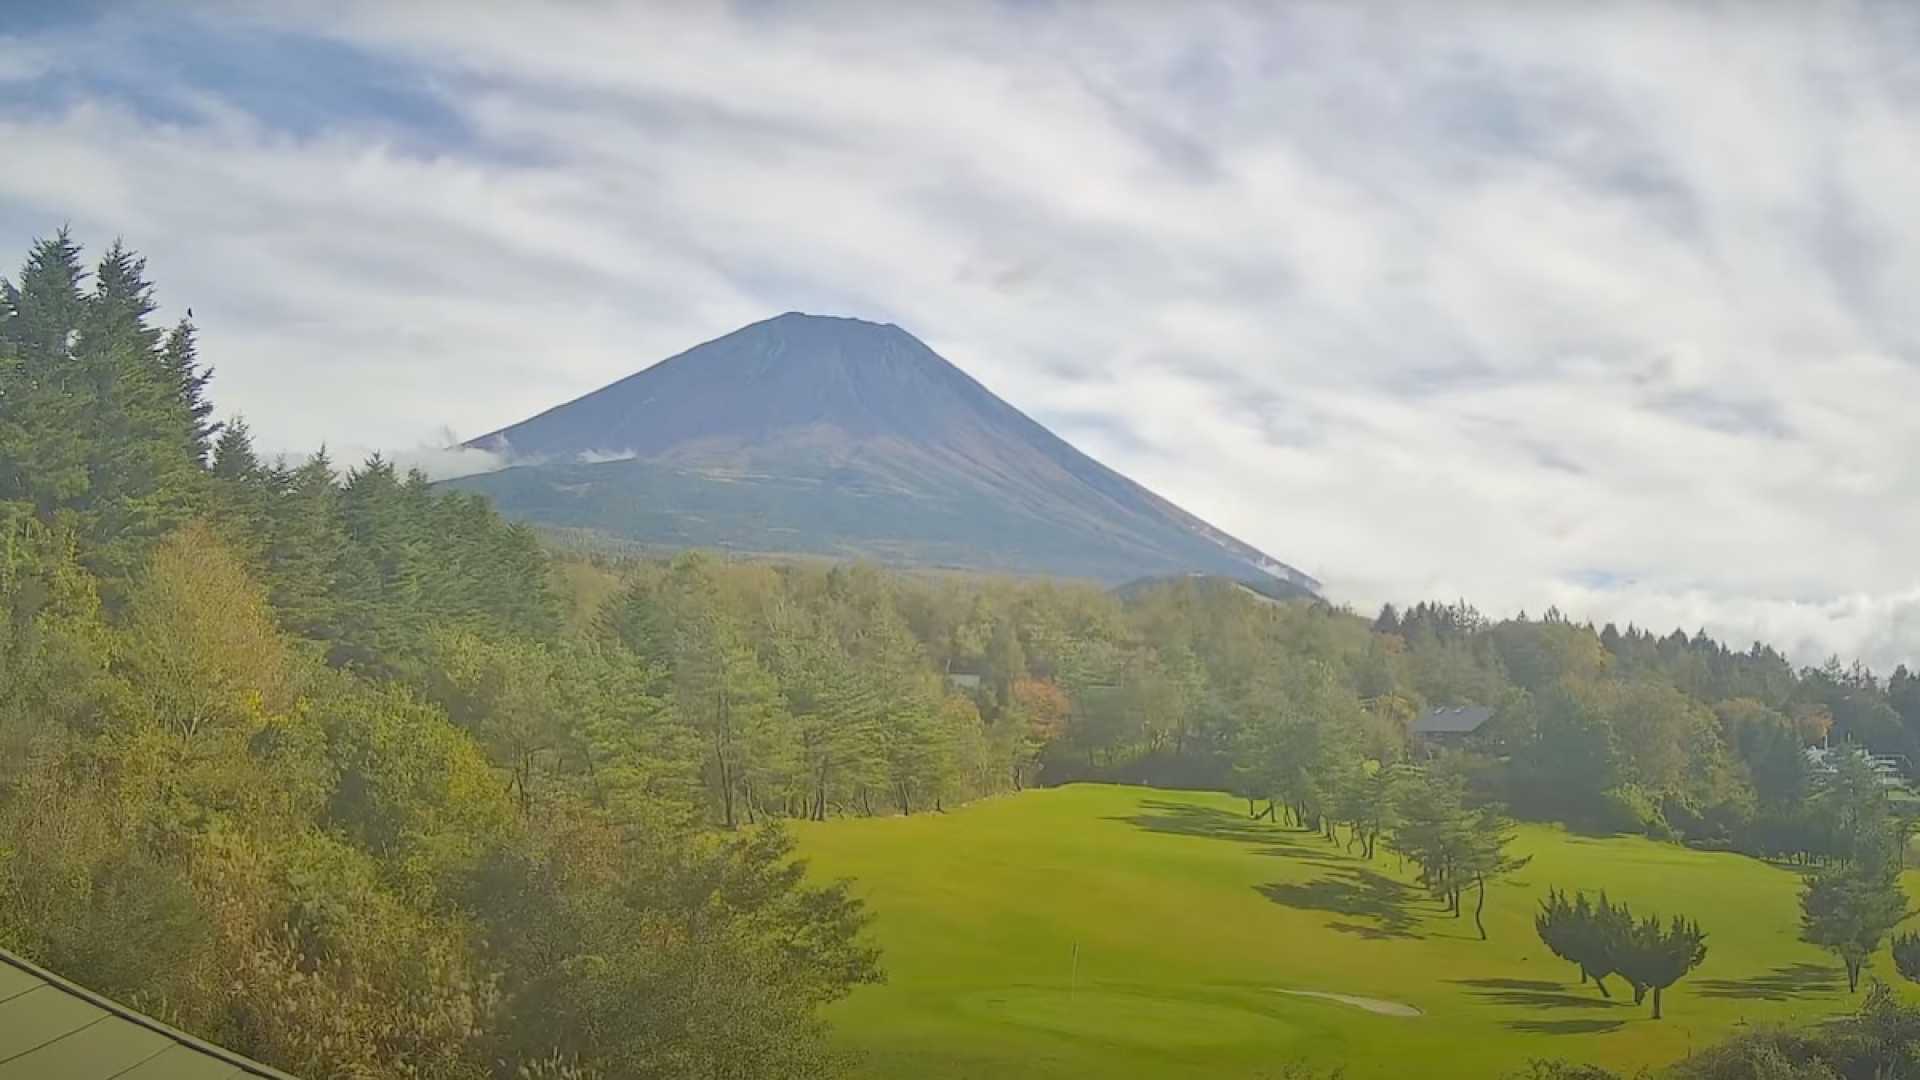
<point>844,438</point>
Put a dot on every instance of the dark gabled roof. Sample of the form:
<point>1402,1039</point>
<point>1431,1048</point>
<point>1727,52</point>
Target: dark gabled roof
<point>51,1029</point>
<point>1452,720</point>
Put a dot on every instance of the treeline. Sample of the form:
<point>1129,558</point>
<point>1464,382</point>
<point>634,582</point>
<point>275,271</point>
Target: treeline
<point>1201,684</point>
<point>320,767</point>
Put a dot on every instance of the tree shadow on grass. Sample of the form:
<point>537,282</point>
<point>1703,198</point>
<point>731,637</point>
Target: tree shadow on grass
<point>1370,933</point>
<point>1539,994</point>
<point>1355,892</point>
<point>1535,994</point>
<point>1786,983</point>
<point>1185,819</point>
<point>1565,1027</point>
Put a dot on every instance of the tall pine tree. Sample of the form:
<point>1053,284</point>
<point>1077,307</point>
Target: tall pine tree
<point>181,370</point>
<point>45,403</point>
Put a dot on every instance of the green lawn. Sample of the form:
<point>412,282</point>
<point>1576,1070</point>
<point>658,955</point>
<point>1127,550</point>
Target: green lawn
<point>1187,919</point>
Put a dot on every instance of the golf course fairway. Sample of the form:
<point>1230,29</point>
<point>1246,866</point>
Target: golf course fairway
<point>1097,930</point>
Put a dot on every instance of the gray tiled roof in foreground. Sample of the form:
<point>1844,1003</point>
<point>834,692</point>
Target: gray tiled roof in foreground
<point>51,1029</point>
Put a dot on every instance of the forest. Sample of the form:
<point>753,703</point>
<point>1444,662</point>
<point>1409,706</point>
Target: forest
<point>349,774</point>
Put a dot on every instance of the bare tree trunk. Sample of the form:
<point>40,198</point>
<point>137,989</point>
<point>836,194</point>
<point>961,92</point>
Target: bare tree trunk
<point>721,740</point>
<point>593,778</point>
<point>1656,1003</point>
<point>1480,905</point>
<point>726,779</point>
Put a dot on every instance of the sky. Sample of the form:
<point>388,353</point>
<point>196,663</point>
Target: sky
<point>1604,307</point>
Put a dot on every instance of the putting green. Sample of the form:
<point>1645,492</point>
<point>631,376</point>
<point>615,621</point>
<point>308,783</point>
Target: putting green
<point>1129,932</point>
<point>1141,1018</point>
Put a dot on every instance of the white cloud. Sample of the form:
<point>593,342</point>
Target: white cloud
<point>1491,302</point>
<point>441,462</point>
<point>597,457</point>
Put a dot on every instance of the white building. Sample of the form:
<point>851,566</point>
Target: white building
<point>1823,761</point>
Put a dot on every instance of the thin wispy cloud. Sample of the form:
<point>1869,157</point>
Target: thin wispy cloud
<point>1532,304</point>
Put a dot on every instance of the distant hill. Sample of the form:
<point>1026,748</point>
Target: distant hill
<point>845,438</point>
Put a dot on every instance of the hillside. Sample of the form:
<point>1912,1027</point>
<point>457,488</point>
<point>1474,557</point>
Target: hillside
<point>845,438</point>
<point>1131,932</point>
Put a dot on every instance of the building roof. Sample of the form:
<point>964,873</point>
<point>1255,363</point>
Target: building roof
<point>1452,720</point>
<point>51,1029</point>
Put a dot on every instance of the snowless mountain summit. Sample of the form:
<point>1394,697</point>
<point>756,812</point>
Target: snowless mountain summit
<point>838,437</point>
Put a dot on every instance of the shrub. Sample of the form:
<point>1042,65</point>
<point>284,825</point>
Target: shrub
<point>1906,956</point>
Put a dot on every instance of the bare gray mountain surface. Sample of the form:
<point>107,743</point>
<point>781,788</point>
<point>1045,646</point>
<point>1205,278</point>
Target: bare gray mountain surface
<point>846,438</point>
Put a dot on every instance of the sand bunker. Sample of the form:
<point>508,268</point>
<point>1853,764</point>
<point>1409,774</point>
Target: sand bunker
<point>1372,1005</point>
